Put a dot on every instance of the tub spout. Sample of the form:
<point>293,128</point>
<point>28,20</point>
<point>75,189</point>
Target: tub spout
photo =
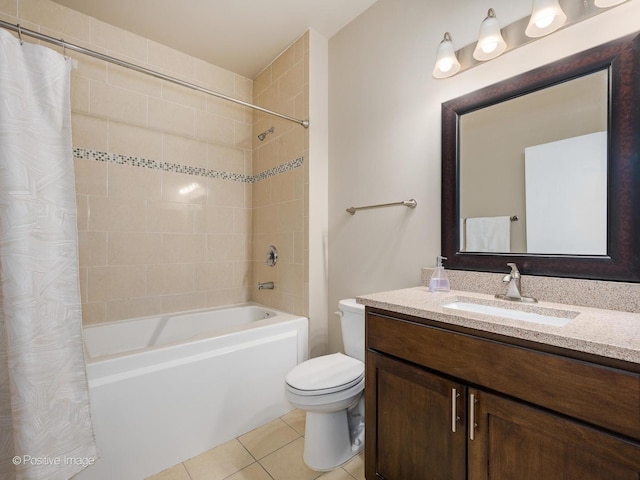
<point>266,285</point>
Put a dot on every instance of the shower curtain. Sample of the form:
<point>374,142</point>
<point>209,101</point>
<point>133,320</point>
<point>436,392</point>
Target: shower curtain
<point>45,423</point>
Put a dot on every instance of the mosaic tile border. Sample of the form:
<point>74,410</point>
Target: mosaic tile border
<point>120,159</point>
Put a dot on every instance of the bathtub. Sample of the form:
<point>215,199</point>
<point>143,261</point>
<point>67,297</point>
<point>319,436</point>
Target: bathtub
<point>164,389</point>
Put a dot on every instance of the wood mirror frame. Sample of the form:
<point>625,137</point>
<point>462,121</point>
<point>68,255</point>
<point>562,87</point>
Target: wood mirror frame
<point>621,58</point>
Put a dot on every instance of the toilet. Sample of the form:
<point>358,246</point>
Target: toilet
<point>330,389</point>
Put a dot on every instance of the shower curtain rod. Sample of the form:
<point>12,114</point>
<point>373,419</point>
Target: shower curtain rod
<point>70,46</point>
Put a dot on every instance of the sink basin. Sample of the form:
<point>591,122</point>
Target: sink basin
<point>540,315</point>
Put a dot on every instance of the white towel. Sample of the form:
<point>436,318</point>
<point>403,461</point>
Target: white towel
<point>488,234</point>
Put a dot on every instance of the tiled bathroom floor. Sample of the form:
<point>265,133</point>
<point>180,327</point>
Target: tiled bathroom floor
<point>270,452</point>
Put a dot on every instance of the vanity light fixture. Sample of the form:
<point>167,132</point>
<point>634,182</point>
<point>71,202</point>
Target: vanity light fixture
<point>608,3</point>
<point>447,63</point>
<point>546,17</point>
<point>490,42</point>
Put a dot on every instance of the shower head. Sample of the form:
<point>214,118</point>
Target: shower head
<point>264,134</point>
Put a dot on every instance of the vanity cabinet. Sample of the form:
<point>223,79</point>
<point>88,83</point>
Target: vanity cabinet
<point>449,405</point>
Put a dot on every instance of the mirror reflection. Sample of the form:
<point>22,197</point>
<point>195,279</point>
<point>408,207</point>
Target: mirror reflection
<point>533,171</point>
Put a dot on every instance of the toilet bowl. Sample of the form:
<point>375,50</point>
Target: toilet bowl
<point>330,389</point>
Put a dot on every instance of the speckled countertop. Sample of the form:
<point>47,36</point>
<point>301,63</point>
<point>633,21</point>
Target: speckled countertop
<point>607,333</point>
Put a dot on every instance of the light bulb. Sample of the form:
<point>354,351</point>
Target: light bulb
<point>545,21</point>
<point>445,65</point>
<point>489,46</point>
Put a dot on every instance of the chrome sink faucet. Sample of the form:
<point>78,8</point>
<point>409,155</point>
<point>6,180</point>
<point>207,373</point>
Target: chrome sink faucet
<point>514,289</point>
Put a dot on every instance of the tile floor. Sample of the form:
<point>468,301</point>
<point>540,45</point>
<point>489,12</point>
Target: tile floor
<point>270,452</point>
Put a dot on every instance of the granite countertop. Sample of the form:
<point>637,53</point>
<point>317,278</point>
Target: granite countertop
<point>607,333</point>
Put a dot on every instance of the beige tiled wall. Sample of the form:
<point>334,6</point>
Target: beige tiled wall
<point>150,240</point>
<point>280,202</point>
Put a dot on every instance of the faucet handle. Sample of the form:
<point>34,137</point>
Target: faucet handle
<point>515,273</point>
<point>272,256</point>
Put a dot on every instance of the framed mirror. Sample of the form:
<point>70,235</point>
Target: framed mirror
<point>543,169</point>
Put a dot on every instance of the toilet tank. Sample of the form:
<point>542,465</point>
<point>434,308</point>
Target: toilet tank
<point>352,324</point>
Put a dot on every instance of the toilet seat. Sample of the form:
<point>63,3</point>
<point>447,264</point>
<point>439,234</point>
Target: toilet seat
<point>325,375</point>
<point>326,402</point>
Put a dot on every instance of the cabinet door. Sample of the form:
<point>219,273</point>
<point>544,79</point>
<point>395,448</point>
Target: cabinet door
<point>515,441</point>
<point>410,422</point>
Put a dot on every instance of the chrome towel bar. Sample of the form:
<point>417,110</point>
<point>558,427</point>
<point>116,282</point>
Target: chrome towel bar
<point>406,203</point>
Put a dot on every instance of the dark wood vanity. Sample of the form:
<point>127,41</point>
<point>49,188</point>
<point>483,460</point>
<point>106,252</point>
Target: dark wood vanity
<point>445,402</point>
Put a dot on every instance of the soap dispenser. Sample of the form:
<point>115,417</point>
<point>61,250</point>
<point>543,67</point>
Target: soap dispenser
<point>439,281</point>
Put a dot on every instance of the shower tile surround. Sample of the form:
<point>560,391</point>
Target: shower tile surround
<point>177,198</point>
<point>281,202</point>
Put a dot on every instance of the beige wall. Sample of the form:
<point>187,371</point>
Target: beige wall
<point>318,215</point>
<point>177,233</point>
<point>384,127</point>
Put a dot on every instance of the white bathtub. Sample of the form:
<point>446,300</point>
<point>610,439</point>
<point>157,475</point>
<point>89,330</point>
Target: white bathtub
<point>164,389</point>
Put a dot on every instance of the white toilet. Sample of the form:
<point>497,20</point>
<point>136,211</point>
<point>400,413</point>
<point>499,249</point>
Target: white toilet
<point>329,389</point>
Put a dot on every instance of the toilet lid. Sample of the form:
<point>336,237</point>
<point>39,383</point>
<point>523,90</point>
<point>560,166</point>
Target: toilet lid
<point>327,373</point>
